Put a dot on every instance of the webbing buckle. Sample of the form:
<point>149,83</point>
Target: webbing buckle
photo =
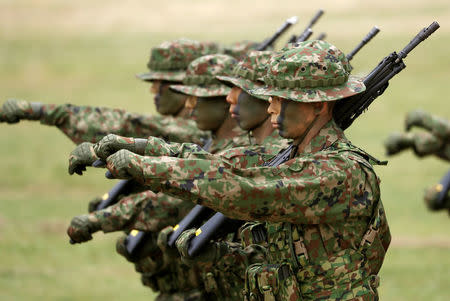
<point>369,237</point>
<point>300,248</point>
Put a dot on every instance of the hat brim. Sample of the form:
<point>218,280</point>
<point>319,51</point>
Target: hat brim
<point>245,84</point>
<point>353,86</point>
<point>173,76</point>
<point>202,91</point>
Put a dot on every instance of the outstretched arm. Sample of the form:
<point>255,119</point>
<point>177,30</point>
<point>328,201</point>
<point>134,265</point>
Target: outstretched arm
<point>298,191</point>
<point>438,126</point>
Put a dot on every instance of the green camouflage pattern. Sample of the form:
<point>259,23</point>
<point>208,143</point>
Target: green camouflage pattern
<point>85,123</point>
<point>435,140</point>
<point>240,48</point>
<point>81,228</point>
<point>83,155</point>
<point>169,60</point>
<point>112,143</point>
<point>313,71</point>
<point>201,75</point>
<point>14,110</point>
<point>329,191</point>
<point>249,72</point>
<point>222,264</point>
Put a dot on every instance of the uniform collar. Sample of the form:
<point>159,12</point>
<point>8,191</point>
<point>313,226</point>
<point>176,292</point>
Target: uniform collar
<point>327,135</point>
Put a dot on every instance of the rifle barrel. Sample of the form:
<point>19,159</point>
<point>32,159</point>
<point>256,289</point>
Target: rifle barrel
<point>419,38</point>
<point>268,42</point>
<point>373,32</point>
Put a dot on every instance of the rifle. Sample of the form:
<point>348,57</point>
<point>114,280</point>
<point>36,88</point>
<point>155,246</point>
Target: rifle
<point>269,42</point>
<point>218,220</point>
<point>313,21</point>
<point>347,110</point>
<point>373,32</point>
<point>321,36</point>
<point>442,201</point>
<point>218,223</point>
<point>136,239</point>
<point>305,35</point>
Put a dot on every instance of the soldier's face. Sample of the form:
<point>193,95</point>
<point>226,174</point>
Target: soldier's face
<point>248,111</point>
<point>210,112</point>
<point>167,102</point>
<point>291,118</point>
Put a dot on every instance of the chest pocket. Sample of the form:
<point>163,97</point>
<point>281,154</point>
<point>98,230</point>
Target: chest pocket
<point>270,282</point>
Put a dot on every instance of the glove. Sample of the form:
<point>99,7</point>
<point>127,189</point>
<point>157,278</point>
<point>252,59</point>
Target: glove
<point>415,118</point>
<point>83,155</point>
<point>397,142</point>
<point>112,143</point>
<point>207,256</point>
<point>94,204</point>
<point>81,228</point>
<point>15,110</point>
<point>125,165</point>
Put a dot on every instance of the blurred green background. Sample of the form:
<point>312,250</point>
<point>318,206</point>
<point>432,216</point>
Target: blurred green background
<point>87,52</point>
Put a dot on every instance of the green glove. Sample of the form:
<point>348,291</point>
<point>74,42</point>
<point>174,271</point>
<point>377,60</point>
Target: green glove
<point>125,165</point>
<point>83,155</point>
<point>397,142</point>
<point>112,143</point>
<point>208,256</point>
<point>416,118</point>
<point>94,204</point>
<point>150,281</point>
<point>81,228</point>
<point>15,110</point>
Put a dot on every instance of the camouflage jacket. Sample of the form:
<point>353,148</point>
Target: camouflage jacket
<point>326,197</point>
<point>84,123</point>
<point>149,211</point>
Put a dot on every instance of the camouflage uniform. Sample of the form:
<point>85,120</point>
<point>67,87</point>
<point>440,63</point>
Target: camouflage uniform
<point>326,228</point>
<point>141,213</point>
<point>435,141</point>
<point>168,62</point>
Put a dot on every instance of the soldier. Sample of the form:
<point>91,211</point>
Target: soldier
<point>164,270</point>
<point>435,141</point>
<point>326,229</point>
<point>168,63</point>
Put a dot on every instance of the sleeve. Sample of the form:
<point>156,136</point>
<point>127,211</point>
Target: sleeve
<point>85,123</point>
<point>311,189</point>
<point>440,127</point>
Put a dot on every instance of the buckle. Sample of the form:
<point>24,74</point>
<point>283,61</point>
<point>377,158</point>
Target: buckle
<point>300,248</point>
<point>369,237</point>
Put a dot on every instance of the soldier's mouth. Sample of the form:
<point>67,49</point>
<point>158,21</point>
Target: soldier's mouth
<point>275,125</point>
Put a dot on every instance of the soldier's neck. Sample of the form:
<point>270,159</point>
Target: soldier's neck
<point>183,113</point>
<point>264,130</point>
<point>225,131</point>
<point>312,132</point>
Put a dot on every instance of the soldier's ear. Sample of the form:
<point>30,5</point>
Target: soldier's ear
<point>319,107</point>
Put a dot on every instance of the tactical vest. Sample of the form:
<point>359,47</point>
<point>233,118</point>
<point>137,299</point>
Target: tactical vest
<point>347,275</point>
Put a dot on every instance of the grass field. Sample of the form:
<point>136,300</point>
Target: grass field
<point>87,52</point>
